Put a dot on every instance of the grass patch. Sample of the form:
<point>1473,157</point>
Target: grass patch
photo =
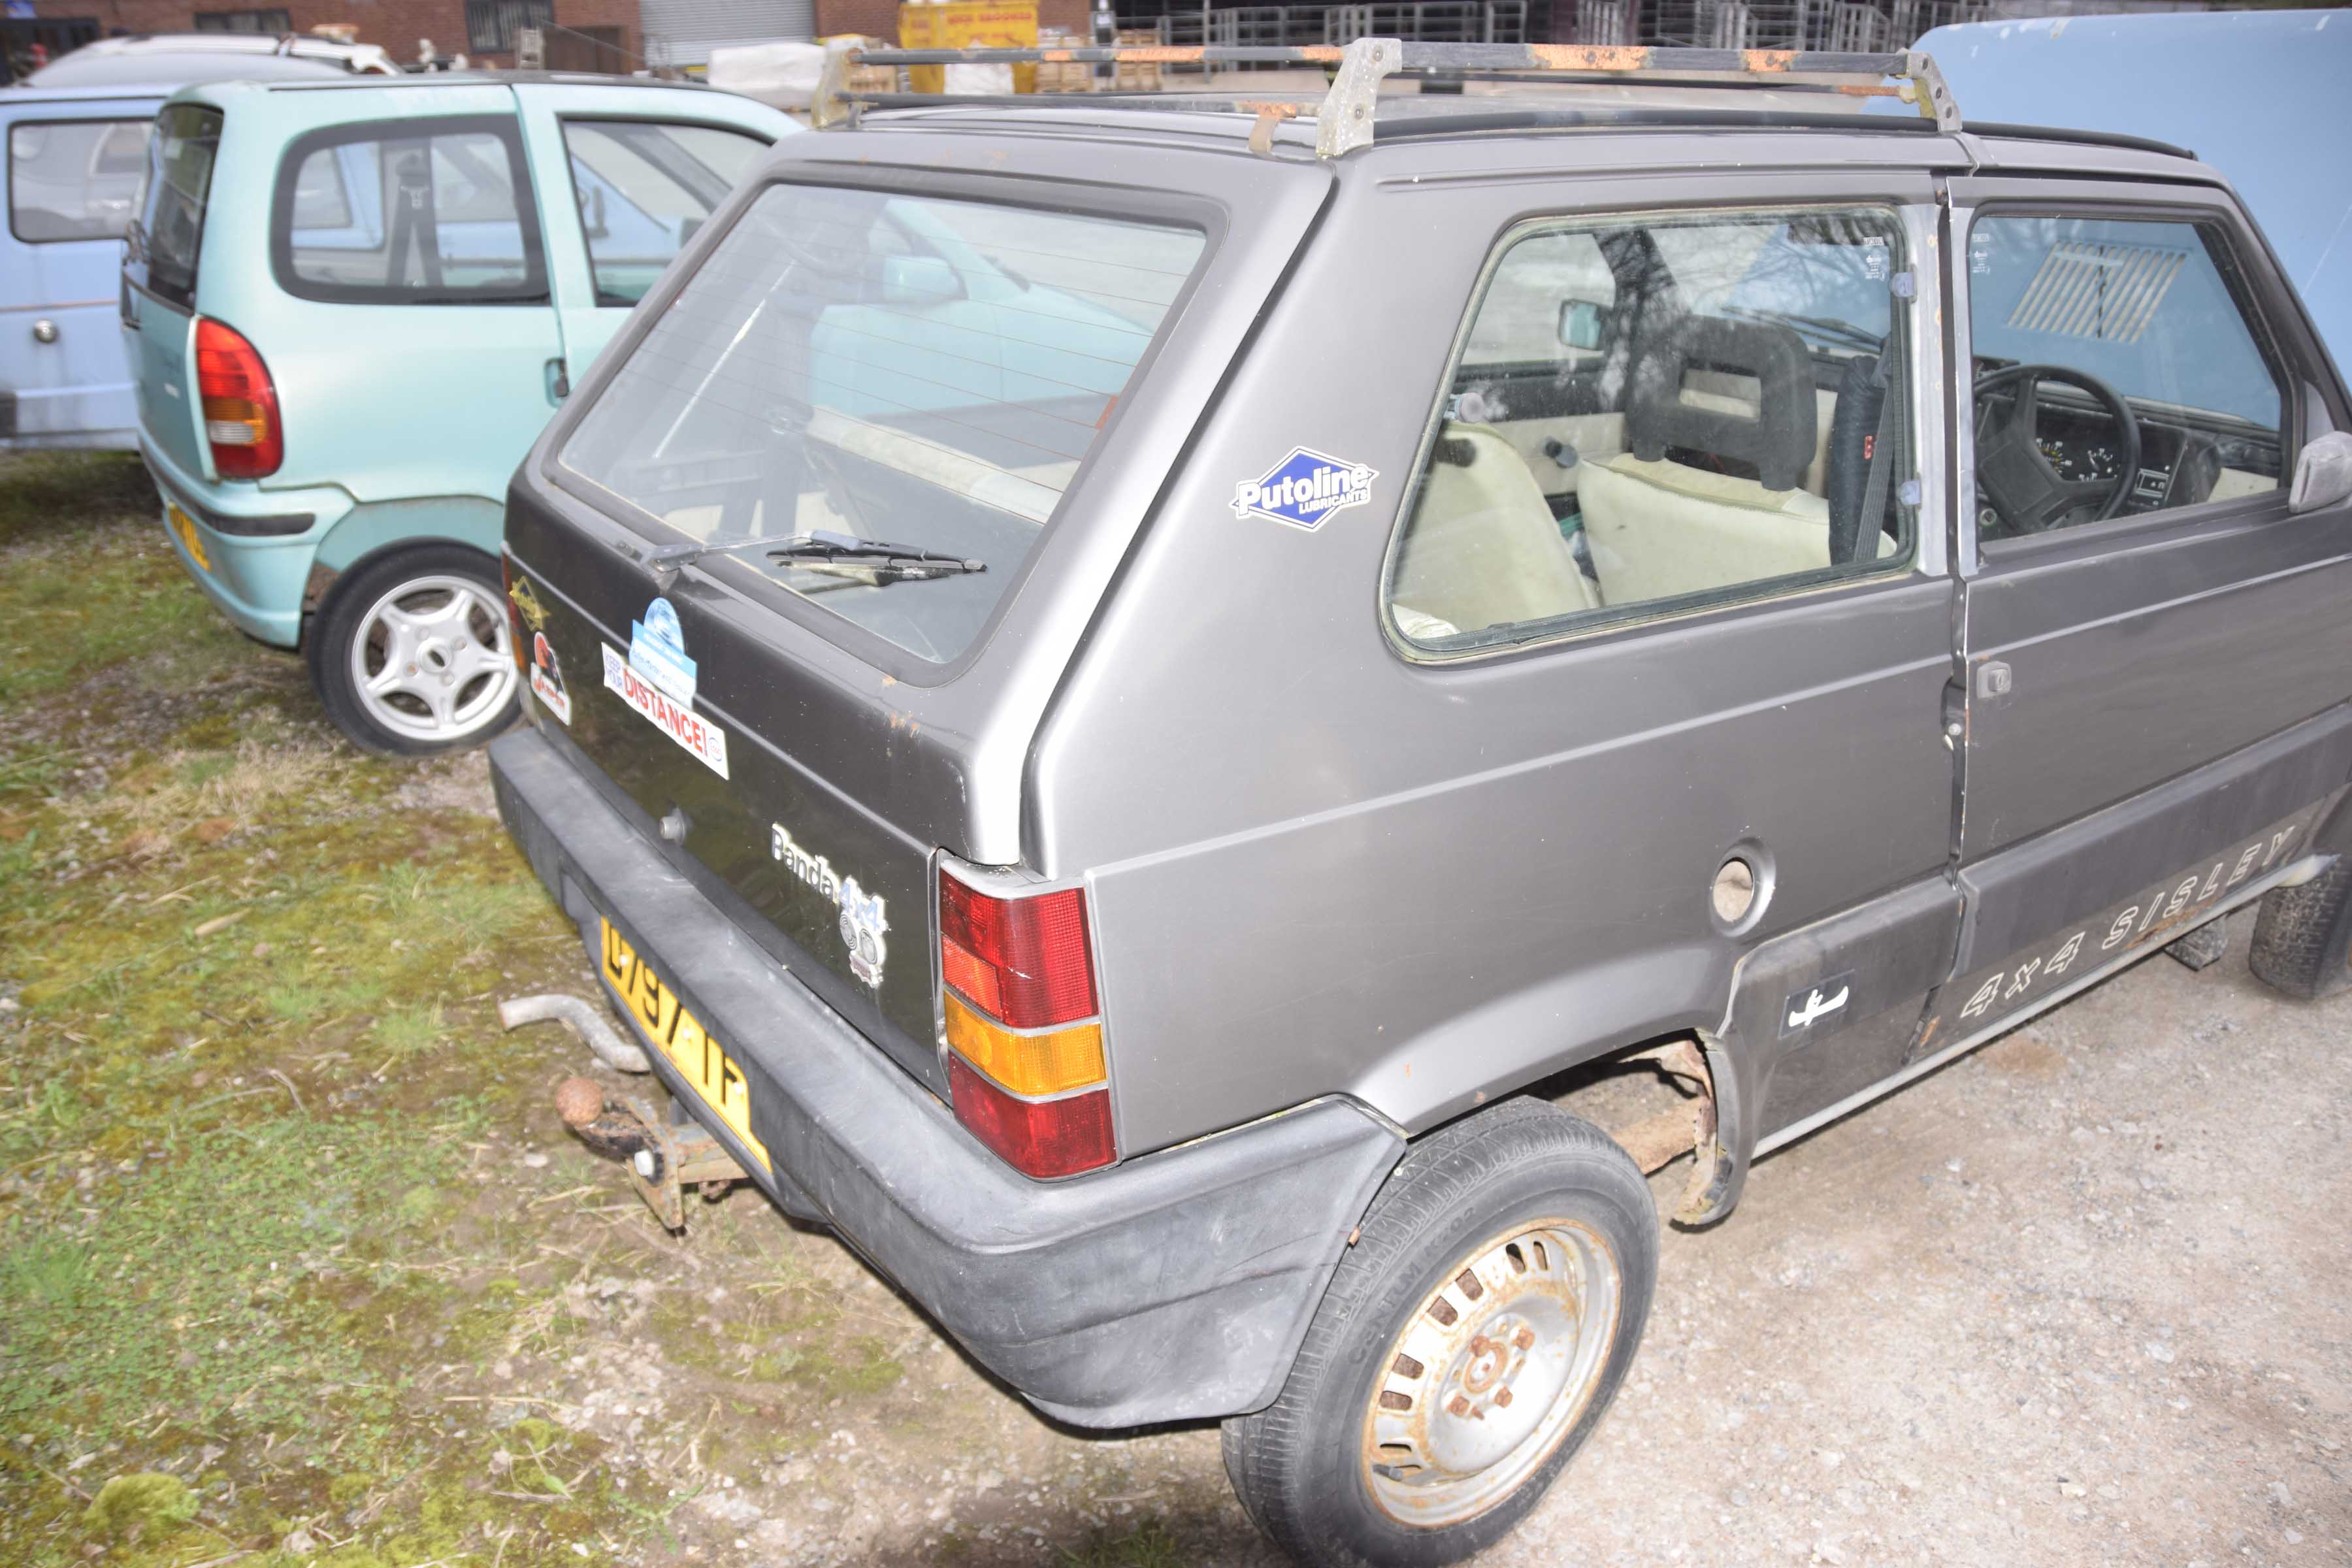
<point>49,494</point>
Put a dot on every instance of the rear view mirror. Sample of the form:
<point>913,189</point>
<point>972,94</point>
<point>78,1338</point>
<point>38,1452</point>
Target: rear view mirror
<point>919,280</point>
<point>1582,323</point>
<point>2323,473</point>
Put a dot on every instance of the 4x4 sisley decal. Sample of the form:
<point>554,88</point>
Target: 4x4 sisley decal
<point>1305,489</point>
<point>862,920</point>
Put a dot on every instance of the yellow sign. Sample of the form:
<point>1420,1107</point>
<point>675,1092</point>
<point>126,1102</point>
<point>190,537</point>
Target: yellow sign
<point>966,24</point>
<point>680,1037</point>
<point>186,526</point>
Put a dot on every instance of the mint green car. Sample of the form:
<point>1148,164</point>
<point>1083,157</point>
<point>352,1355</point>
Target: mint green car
<point>351,308</point>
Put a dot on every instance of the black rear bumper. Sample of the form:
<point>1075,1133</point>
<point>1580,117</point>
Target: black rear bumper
<point>1175,1286</point>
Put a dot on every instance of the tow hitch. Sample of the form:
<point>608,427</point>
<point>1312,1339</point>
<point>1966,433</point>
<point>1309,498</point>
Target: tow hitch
<point>664,1154</point>
<point>663,1157</point>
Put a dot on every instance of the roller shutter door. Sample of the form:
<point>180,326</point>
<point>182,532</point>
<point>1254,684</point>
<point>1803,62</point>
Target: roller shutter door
<point>688,28</point>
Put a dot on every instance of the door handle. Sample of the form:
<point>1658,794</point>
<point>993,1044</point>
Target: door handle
<point>559,382</point>
<point>1993,681</point>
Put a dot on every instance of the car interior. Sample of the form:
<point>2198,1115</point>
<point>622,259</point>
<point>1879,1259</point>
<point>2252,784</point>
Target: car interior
<point>1672,452</point>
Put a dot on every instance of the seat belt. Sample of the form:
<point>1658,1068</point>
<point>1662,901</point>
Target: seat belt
<point>1870,526</point>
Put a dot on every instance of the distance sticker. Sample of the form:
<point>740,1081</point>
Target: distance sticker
<point>679,722</point>
<point>863,921</point>
<point>1305,489</point>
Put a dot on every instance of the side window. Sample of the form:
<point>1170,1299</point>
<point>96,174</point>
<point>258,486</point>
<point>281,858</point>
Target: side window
<point>169,231</point>
<point>644,188</point>
<point>2116,373</point>
<point>74,178</point>
<point>409,212</point>
<point>1653,415</point>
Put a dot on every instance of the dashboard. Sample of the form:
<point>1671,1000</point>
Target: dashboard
<point>2181,458</point>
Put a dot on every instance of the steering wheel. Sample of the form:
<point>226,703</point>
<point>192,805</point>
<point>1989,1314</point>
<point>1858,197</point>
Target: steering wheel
<point>2013,476</point>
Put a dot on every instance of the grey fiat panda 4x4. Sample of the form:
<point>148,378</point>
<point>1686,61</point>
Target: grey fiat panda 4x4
<point>1114,684</point>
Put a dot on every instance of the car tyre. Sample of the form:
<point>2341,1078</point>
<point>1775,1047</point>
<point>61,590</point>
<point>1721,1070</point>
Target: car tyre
<point>1395,1440</point>
<point>2303,935</point>
<point>411,654</point>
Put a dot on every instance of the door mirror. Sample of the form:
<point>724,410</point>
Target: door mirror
<point>2323,473</point>
<point>1582,323</point>
<point>919,280</point>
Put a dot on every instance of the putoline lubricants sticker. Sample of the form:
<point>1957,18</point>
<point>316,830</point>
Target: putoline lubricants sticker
<point>1305,489</point>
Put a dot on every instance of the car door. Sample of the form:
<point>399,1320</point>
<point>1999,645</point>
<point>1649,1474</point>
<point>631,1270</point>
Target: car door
<point>73,168</point>
<point>409,328</point>
<point>2156,653</point>
<point>630,177</point>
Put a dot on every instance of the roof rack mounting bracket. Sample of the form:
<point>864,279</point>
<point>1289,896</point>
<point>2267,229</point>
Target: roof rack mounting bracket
<point>830,105</point>
<point>1344,122</point>
<point>1925,90</point>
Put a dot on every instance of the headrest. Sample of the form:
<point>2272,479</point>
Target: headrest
<point>1779,441</point>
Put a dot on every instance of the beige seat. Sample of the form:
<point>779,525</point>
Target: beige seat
<point>1657,529</point>
<point>1483,548</point>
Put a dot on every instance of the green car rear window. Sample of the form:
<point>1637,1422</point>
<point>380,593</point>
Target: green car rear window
<point>169,231</point>
<point>878,367</point>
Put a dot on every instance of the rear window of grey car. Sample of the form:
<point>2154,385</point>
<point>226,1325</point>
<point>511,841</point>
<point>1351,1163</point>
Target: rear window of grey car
<point>169,229</point>
<point>74,178</point>
<point>893,368</point>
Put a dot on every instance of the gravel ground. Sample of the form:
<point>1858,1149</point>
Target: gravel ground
<point>2079,1298</point>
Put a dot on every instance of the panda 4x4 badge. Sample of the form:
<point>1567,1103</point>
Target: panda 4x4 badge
<point>862,920</point>
<point>1305,489</point>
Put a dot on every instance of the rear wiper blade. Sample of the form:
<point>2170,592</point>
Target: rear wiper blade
<point>868,560</point>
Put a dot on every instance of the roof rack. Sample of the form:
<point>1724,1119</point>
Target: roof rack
<point>1343,117</point>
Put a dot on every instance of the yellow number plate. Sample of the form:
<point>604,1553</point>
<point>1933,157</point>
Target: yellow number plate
<point>186,526</point>
<point>662,1018</point>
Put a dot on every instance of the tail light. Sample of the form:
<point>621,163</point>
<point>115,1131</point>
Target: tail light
<point>239,403</point>
<point>1026,1066</point>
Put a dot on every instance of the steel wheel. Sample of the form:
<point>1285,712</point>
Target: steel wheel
<point>430,659</point>
<point>1491,1371</point>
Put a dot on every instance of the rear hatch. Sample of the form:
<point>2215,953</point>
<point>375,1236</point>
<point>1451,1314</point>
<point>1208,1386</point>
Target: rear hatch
<point>845,369</point>
<point>159,274</point>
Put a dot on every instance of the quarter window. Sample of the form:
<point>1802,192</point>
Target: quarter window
<point>434,212</point>
<point>1653,415</point>
<point>2116,373</point>
<point>74,178</point>
<point>644,189</point>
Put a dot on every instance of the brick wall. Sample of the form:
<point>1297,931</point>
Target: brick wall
<point>395,24</point>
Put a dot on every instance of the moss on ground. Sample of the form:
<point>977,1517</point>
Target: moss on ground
<point>267,1228</point>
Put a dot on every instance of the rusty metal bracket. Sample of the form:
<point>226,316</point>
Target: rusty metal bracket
<point>1658,1141</point>
<point>663,1157</point>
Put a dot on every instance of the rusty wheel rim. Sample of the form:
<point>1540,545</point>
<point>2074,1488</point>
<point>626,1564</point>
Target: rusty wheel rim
<point>1491,1373</point>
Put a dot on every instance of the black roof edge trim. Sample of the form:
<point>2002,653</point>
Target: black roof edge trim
<point>2089,138</point>
<point>1427,126</point>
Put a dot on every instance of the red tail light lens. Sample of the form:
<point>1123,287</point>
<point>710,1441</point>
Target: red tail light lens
<point>1021,1025</point>
<point>239,403</point>
<point>1022,960</point>
<point>1037,1137</point>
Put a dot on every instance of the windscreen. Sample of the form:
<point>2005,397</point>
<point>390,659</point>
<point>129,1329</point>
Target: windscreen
<point>882,397</point>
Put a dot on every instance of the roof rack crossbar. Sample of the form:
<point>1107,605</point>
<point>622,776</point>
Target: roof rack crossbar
<point>1344,119</point>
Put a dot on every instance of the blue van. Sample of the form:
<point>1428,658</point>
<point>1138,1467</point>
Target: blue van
<point>75,155</point>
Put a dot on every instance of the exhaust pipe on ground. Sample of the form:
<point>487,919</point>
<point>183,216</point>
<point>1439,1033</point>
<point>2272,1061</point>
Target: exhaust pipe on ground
<point>585,1020</point>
